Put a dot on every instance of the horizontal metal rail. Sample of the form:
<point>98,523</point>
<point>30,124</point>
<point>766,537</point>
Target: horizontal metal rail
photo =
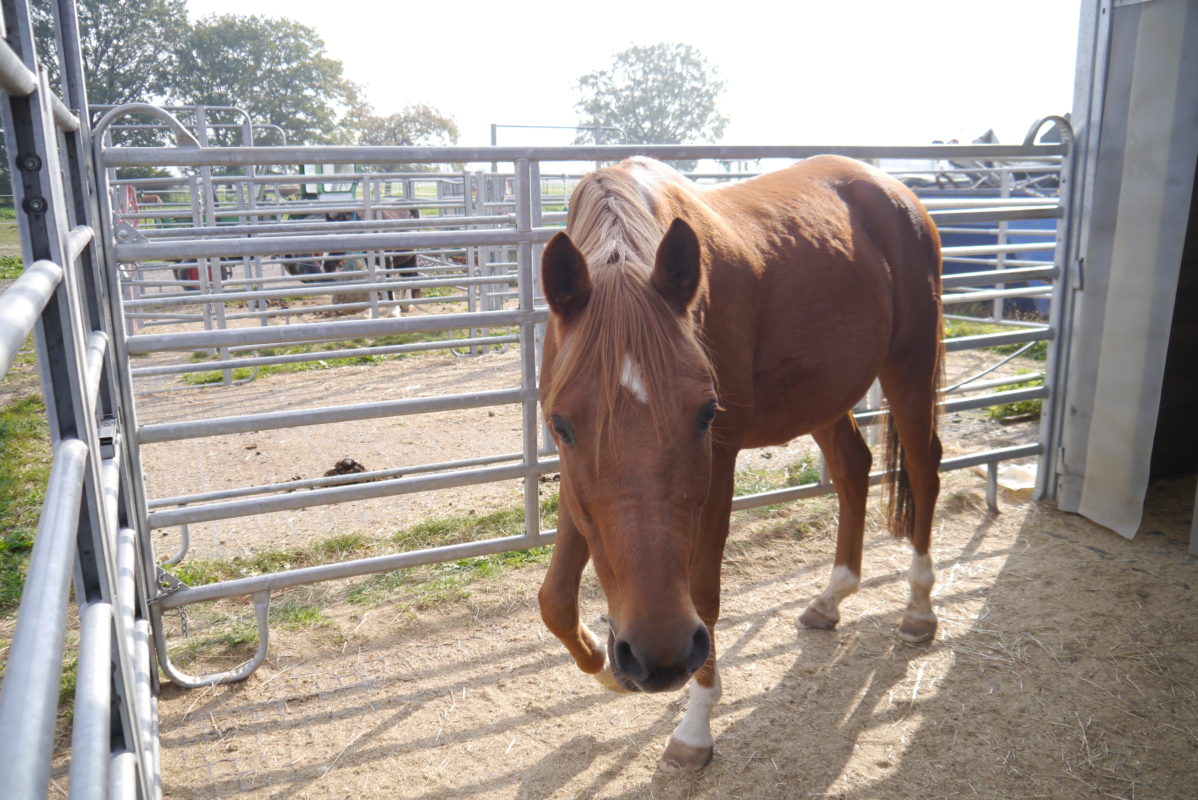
<point>16,79</point>
<point>271,245</point>
<point>958,216</point>
<point>345,494</point>
<point>328,331</point>
<point>322,355</point>
<point>29,702</point>
<point>332,285</point>
<point>21,305</point>
<point>348,569</point>
<point>314,226</point>
<point>341,154</point>
<point>1017,274</point>
<point>994,249</point>
<point>947,465</point>
<point>994,294</point>
<point>958,343</point>
<point>331,480</point>
<point>218,426</point>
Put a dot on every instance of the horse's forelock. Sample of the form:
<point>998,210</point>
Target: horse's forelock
<point>626,320</point>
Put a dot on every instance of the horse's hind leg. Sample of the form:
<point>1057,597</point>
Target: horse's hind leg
<point>913,417</point>
<point>848,460</point>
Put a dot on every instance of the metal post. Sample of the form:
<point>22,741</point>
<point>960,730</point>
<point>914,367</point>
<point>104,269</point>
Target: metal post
<point>526,196</point>
<point>996,313</point>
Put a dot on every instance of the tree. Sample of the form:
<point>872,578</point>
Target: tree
<point>416,124</point>
<point>658,94</point>
<point>276,69</point>
<point>126,44</point>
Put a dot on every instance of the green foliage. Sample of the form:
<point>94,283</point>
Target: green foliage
<point>10,268</point>
<point>658,94</point>
<point>275,68</point>
<point>1020,408</point>
<point>295,616</point>
<point>416,124</point>
<point>126,44</point>
<point>24,471</point>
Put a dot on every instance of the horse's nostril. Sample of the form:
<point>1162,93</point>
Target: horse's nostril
<point>628,663</point>
<point>700,649</point>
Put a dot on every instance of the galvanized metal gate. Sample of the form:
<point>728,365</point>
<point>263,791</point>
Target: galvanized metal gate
<point>84,535</point>
<point>112,289</point>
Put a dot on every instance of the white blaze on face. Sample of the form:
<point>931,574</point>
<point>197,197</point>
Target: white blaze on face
<point>632,380</point>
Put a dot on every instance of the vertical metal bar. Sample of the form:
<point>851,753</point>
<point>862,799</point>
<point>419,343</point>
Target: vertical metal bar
<point>90,738</point>
<point>996,312</point>
<point>992,486</point>
<point>526,195</point>
<point>122,777</point>
<point>209,269</point>
<point>373,257</point>
<point>1060,314</point>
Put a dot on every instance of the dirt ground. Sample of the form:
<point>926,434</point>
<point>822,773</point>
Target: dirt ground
<point>1066,664</point>
<point>1065,667</point>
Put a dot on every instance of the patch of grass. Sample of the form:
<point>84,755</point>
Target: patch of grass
<point>10,267</point>
<point>803,471</point>
<point>1020,408</point>
<point>24,472</point>
<point>295,616</point>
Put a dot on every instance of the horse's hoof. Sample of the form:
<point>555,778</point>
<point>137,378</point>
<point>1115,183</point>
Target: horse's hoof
<point>917,629</point>
<point>813,618</point>
<point>680,759</point>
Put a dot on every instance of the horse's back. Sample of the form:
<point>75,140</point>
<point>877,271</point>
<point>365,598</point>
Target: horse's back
<point>840,256</point>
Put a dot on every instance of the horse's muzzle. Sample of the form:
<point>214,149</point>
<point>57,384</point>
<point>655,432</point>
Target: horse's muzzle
<point>638,672</point>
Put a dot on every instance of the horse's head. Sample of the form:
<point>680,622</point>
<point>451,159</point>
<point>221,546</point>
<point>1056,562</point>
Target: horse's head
<point>628,392</point>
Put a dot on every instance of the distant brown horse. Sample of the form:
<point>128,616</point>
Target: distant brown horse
<point>688,323</point>
<point>401,264</point>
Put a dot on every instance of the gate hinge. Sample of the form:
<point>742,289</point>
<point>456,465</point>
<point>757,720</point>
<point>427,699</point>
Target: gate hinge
<point>1079,274</point>
<point>1060,465</point>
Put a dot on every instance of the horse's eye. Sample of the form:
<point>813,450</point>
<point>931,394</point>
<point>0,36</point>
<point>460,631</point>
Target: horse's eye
<point>707,416</point>
<point>561,429</point>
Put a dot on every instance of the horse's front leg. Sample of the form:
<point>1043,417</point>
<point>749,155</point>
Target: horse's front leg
<point>691,745</point>
<point>559,603</point>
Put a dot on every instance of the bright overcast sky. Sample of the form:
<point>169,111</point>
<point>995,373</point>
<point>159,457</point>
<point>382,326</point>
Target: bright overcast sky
<point>797,71</point>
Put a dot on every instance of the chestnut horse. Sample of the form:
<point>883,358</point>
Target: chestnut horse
<point>687,323</point>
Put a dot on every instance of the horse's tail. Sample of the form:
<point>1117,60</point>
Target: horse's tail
<point>901,499</point>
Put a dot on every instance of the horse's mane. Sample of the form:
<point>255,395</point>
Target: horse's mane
<point>611,222</point>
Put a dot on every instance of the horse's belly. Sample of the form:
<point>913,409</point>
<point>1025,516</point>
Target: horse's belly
<point>800,388</point>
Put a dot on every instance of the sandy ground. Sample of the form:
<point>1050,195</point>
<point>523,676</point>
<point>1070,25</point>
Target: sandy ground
<point>1066,663</point>
<point>1065,667</point>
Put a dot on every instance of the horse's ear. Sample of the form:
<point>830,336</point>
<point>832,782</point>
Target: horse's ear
<point>676,271</point>
<point>565,279</point>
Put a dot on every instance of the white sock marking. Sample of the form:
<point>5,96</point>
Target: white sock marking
<point>632,380</point>
<point>843,584</point>
<point>922,580</point>
<point>695,728</point>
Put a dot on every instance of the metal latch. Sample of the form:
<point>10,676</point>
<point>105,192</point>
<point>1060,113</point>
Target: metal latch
<point>109,433</point>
